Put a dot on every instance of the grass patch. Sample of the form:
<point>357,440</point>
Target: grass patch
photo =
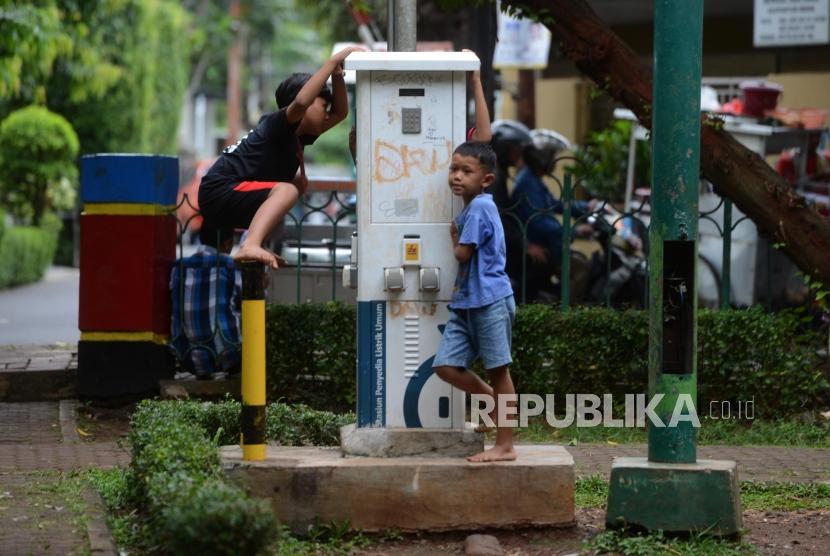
<point>127,527</point>
<point>656,544</point>
<point>784,496</point>
<point>322,538</point>
<point>782,432</point>
<point>592,492</point>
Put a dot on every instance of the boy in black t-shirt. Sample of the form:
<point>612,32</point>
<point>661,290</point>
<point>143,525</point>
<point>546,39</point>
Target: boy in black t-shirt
<point>255,182</point>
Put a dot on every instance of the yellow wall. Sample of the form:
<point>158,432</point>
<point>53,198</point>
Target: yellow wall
<point>557,106</point>
<point>560,104</point>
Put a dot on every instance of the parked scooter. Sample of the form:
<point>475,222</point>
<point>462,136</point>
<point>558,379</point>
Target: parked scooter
<point>622,280</point>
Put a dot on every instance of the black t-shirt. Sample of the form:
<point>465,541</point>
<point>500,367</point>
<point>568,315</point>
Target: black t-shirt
<point>270,152</point>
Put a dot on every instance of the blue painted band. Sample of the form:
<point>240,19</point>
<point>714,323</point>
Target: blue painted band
<point>129,178</point>
<point>371,363</point>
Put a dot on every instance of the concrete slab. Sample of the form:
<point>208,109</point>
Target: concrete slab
<point>675,497</point>
<point>410,493</point>
<point>400,442</point>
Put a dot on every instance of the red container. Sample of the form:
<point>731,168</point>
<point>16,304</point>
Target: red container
<point>760,96</point>
<point>125,273</point>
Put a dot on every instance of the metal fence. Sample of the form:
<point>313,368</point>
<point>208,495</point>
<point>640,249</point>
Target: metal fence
<point>609,268</point>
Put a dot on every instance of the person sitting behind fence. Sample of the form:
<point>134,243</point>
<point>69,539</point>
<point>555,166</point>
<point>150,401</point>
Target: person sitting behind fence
<point>535,205</point>
<point>206,290</point>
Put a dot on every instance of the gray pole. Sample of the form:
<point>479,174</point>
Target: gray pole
<point>390,25</point>
<point>403,22</point>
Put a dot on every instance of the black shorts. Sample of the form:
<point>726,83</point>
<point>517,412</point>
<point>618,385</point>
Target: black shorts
<point>232,204</point>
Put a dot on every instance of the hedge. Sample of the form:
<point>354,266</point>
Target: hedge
<point>26,252</point>
<point>176,483</point>
<point>742,355</point>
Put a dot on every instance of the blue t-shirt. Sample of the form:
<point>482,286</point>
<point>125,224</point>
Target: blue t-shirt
<point>482,280</point>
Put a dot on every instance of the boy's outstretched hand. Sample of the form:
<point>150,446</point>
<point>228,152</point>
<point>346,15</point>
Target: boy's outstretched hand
<point>340,56</point>
<point>258,253</point>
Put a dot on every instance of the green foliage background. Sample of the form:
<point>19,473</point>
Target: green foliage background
<point>116,69</point>
<point>743,355</point>
<point>602,162</point>
<point>26,252</point>
<point>37,163</point>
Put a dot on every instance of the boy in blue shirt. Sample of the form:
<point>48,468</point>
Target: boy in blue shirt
<point>482,308</point>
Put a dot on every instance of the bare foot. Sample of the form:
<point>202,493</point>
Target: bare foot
<point>256,253</point>
<point>496,453</point>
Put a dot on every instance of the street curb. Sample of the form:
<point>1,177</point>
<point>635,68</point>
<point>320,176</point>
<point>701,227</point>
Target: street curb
<point>100,537</point>
<point>68,414</point>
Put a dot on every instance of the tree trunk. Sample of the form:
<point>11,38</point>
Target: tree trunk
<point>736,172</point>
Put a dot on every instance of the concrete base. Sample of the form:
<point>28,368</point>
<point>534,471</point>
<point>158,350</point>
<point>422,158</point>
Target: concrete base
<point>675,497</point>
<point>394,443</point>
<point>410,493</point>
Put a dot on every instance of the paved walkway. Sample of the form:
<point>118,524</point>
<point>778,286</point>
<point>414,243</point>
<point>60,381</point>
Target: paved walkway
<point>38,357</point>
<point>35,517</point>
<point>755,463</point>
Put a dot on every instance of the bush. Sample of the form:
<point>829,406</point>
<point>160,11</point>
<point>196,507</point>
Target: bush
<point>216,518</point>
<point>289,425</point>
<point>26,253</point>
<point>742,355</point>
<point>37,163</point>
<point>311,354</point>
<point>176,477</point>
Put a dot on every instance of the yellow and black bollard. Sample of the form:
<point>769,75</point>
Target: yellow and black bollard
<point>253,362</point>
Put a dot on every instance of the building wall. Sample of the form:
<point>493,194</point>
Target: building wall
<point>804,90</point>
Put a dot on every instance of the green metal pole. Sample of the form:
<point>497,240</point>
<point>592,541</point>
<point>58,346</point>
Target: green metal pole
<point>678,31</point>
<point>672,491</point>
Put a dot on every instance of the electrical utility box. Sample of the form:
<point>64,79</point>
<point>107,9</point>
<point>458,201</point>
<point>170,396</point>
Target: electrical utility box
<point>411,114</point>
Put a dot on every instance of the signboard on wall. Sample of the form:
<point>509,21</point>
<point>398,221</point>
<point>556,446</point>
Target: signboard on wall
<point>791,22</point>
<point>522,44</point>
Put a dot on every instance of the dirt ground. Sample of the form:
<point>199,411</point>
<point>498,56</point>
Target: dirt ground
<point>772,533</point>
<point>104,424</point>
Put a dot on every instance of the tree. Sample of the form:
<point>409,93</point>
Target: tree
<point>37,163</point>
<point>116,69</point>
<point>736,172</point>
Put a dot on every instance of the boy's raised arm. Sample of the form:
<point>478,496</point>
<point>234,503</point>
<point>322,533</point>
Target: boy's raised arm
<point>482,132</point>
<point>340,99</point>
<point>296,110</point>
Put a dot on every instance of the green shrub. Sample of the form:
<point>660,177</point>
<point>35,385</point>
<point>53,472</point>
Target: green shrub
<point>311,354</point>
<point>289,425</point>
<point>167,448</point>
<point>26,252</point>
<point>176,479</point>
<point>37,163</point>
<point>742,355</point>
<point>217,518</point>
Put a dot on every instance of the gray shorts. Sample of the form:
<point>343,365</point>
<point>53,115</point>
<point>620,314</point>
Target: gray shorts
<point>484,332</point>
